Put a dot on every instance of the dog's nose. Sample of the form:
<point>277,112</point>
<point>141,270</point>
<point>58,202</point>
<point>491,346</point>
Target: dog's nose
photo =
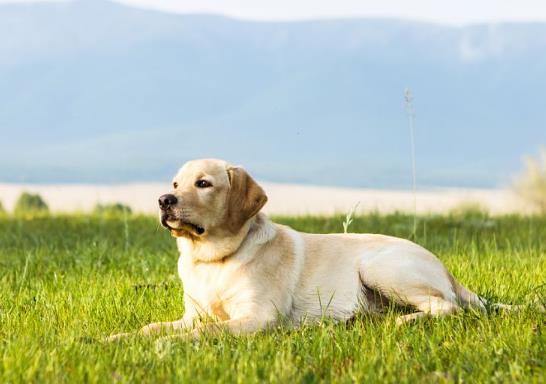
<point>165,201</point>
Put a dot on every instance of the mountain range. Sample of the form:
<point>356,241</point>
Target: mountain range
<point>99,92</point>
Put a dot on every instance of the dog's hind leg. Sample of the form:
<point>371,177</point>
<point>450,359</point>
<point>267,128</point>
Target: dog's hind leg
<point>428,306</point>
<point>410,276</point>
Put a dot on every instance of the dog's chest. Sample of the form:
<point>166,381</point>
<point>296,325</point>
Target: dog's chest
<point>212,288</point>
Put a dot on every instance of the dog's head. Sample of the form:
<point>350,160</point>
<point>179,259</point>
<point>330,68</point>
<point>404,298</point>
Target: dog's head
<point>210,197</point>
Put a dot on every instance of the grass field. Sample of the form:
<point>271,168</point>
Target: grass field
<point>67,281</point>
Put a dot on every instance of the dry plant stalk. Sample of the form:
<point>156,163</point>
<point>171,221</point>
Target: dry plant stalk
<point>408,98</point>
<point>531,184</point>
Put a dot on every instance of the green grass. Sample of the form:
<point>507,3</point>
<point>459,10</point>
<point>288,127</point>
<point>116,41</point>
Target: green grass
<point>67,281</point>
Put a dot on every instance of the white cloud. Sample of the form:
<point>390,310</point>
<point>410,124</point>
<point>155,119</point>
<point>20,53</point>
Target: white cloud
<point>475,47</point>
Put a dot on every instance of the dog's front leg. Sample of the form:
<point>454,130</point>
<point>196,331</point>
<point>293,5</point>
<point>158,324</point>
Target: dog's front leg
<point>186,323</point>
<point>155,329</point>
<point>239,326</point>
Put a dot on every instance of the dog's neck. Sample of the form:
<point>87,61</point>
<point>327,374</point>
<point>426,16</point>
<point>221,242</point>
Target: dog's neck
<point>220,246</point>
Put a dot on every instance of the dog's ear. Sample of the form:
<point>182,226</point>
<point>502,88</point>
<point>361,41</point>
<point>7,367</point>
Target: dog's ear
<point>245,198</point>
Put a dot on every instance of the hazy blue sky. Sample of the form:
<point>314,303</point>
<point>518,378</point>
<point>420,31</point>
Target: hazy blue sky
<point>449,12</point>
<point>96,91</point>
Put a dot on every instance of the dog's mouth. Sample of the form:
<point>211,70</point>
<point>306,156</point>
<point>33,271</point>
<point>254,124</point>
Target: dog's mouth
<point>179,227</point>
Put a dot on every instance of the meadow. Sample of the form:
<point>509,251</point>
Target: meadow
<point>66,281</point>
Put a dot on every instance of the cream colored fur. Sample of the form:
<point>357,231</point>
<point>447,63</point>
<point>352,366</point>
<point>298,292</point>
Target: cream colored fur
<point>247,278</point>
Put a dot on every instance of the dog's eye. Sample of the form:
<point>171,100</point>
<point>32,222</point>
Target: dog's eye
<point>175,185</point>
<point>202,184</point>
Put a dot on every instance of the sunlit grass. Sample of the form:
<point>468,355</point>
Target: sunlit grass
<point>66,281</point>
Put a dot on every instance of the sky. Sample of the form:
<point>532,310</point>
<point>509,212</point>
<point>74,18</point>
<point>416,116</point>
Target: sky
<point>344,108</point>
<point>453,12</point>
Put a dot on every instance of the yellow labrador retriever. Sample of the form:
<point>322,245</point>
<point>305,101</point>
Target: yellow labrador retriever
<point>244,272</point>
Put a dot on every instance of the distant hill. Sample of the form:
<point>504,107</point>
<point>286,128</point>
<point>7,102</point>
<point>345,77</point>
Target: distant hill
<point>94,91</point>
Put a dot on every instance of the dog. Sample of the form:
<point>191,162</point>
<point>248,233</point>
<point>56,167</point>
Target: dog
<point>243,273</point>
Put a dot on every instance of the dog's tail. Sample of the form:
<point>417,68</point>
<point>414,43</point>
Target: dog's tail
<point>469,299</point>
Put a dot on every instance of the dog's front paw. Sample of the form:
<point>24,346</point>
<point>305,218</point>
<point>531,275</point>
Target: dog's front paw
<point>116,337</point>
<point>184,335</point>
<point>150,329</point>
<point>156,328</point>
